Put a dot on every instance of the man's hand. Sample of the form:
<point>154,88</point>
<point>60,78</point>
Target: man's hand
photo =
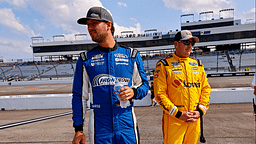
<point>184,116</point>
<point>126,93</point>
<point>194,115</point>
<point>79,138</point>
<point>190,117</point>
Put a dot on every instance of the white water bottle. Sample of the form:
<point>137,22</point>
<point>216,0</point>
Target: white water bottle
<point>123,104</point>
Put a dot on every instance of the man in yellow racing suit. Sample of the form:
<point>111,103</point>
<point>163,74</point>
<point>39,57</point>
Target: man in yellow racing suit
<point>182,91</point>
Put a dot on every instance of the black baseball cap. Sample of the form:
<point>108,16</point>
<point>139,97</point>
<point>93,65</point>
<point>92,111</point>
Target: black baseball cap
<point>96,13</point>
<point>185,35</point>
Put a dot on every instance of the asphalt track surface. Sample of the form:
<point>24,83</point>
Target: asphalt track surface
<point>223,123</point>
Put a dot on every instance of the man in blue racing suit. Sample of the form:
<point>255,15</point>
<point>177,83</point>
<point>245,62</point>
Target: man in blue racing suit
<point>95,76</point>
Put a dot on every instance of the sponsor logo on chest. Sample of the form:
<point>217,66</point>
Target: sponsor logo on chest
<point>121,59</point>
<point>175,63</point>
<point>97,60</point>
<point>189,85</point>
<point>98,56</point>
<point>192,63</point>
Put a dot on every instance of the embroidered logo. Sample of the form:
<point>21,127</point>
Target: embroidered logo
<point>177,83</point>
<point>105,79</point>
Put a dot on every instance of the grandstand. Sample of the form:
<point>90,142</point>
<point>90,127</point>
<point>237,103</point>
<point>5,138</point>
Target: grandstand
<point>214,62</point>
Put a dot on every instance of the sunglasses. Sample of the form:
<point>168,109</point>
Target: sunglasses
<point>187,42</point>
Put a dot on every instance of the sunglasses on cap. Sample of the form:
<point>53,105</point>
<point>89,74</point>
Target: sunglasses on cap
<point>187,42</point>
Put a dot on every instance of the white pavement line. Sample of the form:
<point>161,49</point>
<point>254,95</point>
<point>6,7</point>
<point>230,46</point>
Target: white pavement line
<point>240,83</point>
<point>43,89</point>
<point>248,114</point>
<point>14,87</point>
<point>33,120</point>
<point>59,86</point>
<point>43,86</point>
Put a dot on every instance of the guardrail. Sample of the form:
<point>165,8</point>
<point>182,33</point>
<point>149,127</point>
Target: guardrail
<point>229,74</point>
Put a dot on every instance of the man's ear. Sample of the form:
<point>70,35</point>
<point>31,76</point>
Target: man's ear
<point>109,24</point>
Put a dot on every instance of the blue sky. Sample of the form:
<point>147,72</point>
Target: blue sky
<point>23,19</point>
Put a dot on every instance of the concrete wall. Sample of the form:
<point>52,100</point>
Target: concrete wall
<point>232,95</point>
<point>36,82</point>
<point>48,101</point>
<point>59,101</point>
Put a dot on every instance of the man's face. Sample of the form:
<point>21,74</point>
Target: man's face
<point>183,50</point>
<point>98,30</point>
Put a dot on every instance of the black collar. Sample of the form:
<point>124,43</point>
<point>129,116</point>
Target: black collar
<point>107,49</point>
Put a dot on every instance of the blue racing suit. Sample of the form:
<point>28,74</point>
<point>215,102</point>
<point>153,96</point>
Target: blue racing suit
<point>95,76</point>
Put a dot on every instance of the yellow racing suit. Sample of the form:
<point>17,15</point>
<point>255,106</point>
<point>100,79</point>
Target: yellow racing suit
<point>180,84</point>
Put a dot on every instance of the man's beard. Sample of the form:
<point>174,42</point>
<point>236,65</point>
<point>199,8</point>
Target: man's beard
<point>99,38</point>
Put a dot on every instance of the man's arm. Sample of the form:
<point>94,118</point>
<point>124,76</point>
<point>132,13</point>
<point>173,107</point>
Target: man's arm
<point>140,85</point>
<point>80,89</point>
<point>205,93</point>
<point>77,105</point>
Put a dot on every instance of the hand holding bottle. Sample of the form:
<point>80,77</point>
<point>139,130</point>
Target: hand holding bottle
<point>123,103</point>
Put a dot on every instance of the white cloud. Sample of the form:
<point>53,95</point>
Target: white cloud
<point>122,4</point>
<point>64,13</point>
<point>191,6</point>
<point>249,16</point>
<point>38,26</point>
<point>16,3</point>
<point>134,19</point>
<point>136,29</point>
<point>13,48</point>
<point>9,20</point>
